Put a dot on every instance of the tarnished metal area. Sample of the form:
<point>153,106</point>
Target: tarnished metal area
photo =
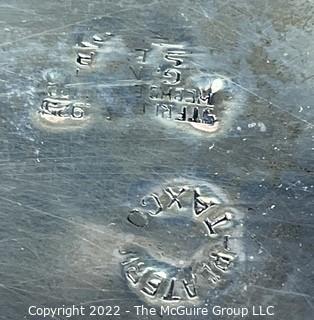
<point>156,159</point>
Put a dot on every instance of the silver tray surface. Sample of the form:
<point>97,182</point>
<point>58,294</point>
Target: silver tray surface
<point>90,139</point>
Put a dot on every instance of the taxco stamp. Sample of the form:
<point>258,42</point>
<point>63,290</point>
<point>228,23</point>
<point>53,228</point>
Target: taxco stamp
<point>189,242</point>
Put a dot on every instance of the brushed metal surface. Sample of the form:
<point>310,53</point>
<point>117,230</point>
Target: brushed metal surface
<point>109,195</point>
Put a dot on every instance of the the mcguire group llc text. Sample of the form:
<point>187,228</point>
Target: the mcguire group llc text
<point>144,311</point>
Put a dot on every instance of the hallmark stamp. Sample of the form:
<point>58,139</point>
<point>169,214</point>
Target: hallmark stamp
<point>181,210</point>
<point>173,94</point>
<point>59,109</point>
<point>86,51</point>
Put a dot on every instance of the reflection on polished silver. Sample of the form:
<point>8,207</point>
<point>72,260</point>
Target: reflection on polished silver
<point>78,181</point>
<point>188,210</point>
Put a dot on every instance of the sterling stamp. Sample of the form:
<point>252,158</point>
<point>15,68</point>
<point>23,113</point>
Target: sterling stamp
<point>180,92</point>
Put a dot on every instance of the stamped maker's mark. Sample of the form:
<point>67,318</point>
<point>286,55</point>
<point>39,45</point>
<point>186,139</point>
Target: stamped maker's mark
<point>169,279</point>
<point>86,51</point>
<point>171,98</point>
<point>57,107</point>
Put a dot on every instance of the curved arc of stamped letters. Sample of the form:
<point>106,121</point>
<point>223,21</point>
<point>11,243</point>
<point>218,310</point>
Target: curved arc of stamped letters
<point>167,279</point>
